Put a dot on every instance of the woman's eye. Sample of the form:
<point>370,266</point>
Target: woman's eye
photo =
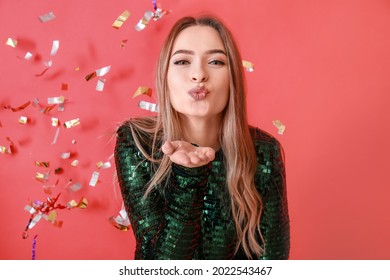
<point>217,62</point>
<point>180,62</point>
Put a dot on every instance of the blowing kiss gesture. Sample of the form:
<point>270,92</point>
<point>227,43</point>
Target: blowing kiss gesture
<point>188,155</point>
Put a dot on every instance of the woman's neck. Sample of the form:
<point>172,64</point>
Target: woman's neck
<point>201,131</point>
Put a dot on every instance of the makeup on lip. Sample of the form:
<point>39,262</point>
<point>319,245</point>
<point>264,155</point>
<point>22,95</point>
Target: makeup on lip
<point>198,93</point>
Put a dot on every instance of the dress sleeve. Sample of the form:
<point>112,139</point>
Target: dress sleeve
<point>166,223</point>
<point>275,223</point>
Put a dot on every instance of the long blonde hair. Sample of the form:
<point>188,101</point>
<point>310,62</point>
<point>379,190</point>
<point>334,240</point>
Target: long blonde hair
<point>235,138</point>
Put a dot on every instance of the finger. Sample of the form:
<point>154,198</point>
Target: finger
<point>210,153</point>
<point>167,148</point>
<point>194,159</point>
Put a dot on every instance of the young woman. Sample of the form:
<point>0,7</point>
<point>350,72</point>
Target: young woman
<point>199,182</point>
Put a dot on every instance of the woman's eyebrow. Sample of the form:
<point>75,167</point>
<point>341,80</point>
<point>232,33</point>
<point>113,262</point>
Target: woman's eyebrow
<point>212,51</point>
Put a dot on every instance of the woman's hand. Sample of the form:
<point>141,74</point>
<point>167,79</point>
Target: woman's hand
<point>186,154</point>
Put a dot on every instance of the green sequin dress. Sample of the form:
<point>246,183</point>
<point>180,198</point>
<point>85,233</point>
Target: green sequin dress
<point>190,217</point>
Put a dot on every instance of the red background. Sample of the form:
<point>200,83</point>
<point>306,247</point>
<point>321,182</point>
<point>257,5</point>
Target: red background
<point>321,68</point>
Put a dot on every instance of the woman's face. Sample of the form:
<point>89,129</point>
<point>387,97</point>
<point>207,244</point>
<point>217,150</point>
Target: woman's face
<point>198,73</point>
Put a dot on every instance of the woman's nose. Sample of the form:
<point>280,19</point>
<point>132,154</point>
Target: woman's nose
<point>198,74</point>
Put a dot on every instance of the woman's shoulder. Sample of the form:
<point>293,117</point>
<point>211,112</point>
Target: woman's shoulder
<point>139,131</point>
<point>261,136</point>
<point>266,142</point>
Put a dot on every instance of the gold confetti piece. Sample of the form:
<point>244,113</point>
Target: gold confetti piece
<point>55,100</point>
<point>249,66</point>
<point>102,165</point>
<point>52,216</point>
<point>281,128</point>
<point>76,187</point>
<point>23,120</point>
<point>75,162</point>
<point>73,141</point>
<point>94,179</point>
<point>148,106</point>
<point>77,68</point>
<point>42,163</point>
<point>72,123</point>
<point>42,177</point>
<point>55,122</point>
<point>143,90</point>
<point>121,19</point>
<point>144,21</point>
<point>54,48</point>
<point>3,149</point>
<point>122,221</point>
<point>11,42</point>
<point>64,86</point>
<point>7,150</point>
<point>28,56</point>
<point>47,17</point>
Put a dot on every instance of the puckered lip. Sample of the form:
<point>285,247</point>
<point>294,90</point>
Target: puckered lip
<point>198,93</point>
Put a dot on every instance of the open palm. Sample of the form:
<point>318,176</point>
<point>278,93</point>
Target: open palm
<point>188,155</point>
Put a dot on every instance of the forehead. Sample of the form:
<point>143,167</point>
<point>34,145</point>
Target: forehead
<point>198,38</point>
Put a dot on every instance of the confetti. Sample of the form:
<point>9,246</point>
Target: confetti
<point>42,164</point>
<point>11,42</point>
<point>65,155</point>
<point>124,43</point>
<point>42,177</point>
<point>7,150</point>
<point>122,221</point>
<point>103,71</point>
<point>43,72</point>
<point>281,128</point>
<point>102,165</point>
<point>56,100</point>
<point>21,107</point>
<point>47,17</point>
<point>76,187</point>
<point>64,86</point>
<point>72,123</point>
<point>99,73</point>
<point>58,170</point>
<point>94,179</point>
<point>34,245</point>
<point>47,210</point>
<point>23,120</point>
<point>143,90</point>
<point>56,136</point>
<point>54,48</point>
<point>75,162</point>
<point>55,122</point>
<point>83,203</point>
<point>144,21</point>
<point>28,56</point>
<point>148,106</point>
<point>249,66</point>
<point>121,19</point>
<point>100,84</point>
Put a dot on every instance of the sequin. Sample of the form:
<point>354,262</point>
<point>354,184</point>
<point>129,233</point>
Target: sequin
<point>190,217</point>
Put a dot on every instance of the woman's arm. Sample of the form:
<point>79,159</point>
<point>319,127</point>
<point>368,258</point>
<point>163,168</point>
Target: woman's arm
<point>165,226</point>
<point>271,182</point>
